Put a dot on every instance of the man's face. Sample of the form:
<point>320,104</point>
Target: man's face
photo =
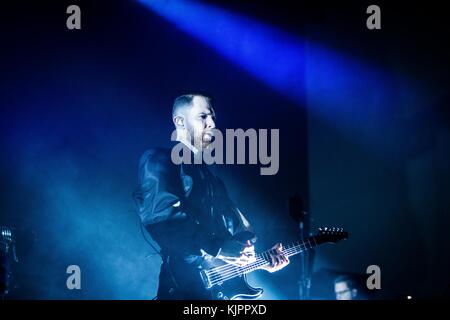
<point>343,292</point>
<point>199,122</point>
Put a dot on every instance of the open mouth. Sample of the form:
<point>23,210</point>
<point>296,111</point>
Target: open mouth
<point>208,136</point>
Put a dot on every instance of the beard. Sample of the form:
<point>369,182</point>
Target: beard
<point>201,139</point>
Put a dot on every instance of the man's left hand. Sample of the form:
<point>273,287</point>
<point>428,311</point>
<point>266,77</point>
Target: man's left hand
<point>279,259</point>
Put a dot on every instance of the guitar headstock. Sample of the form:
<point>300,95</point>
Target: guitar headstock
<point>332,235</point>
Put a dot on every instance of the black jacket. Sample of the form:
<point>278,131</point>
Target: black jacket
<point>187,211</point>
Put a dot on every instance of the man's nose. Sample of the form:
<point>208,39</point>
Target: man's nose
<point>210,124</point>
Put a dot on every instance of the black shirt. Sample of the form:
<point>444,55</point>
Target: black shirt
<point>187,210</point>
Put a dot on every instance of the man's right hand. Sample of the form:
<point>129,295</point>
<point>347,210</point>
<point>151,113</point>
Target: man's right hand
<point>247,255</point>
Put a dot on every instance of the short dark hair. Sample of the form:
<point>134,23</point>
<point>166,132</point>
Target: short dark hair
<point>185,100</point>
<point>352,283</point>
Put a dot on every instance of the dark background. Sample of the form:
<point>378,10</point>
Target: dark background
<point>365,143</point>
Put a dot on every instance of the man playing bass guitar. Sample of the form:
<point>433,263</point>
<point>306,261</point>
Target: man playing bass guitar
<point>187,211</point>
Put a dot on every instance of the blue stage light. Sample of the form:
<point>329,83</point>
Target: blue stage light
<point>350,94</point>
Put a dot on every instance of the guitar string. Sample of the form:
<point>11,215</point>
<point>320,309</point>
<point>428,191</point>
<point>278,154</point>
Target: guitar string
<point>239,271</point>
<point>288,247</point>
<point>231,270</point>
<point>221,279</point>
<point>242,270</point>
<point>223,270</point>
<point>236,271</point>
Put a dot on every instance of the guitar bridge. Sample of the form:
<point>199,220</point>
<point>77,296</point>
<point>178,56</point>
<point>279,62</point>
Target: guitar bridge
<point>205,279</point>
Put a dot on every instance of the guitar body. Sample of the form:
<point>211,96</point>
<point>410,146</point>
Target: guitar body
<point>232,289</point>
<point>235,289</point>
<point>214,279</point>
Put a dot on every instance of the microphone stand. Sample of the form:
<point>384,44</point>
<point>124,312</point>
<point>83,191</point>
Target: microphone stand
<point>303,220</point>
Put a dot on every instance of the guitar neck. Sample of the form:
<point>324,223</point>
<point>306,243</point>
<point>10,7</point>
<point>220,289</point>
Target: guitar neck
<point>220,274</point>
<point>264,259</point>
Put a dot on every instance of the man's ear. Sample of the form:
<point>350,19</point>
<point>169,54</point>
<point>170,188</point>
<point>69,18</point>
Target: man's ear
<point>178,121</point>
